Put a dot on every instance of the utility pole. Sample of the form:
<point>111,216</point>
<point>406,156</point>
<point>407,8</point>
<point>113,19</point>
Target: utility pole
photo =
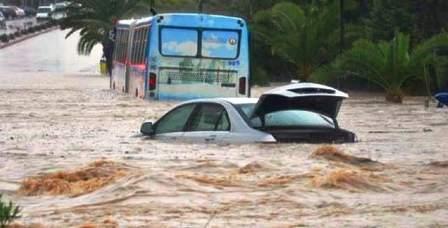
<point>342,33</point>
<point>201,6</point>
<point>342,25</point>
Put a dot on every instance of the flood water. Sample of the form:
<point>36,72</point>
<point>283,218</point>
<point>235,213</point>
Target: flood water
<point>57,117</point>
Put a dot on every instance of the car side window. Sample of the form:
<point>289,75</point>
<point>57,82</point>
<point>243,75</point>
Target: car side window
<point>175,120</point>
<point>223,123</point>
<point>210,117</point>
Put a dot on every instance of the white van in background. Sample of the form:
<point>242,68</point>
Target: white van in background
<point>2,18</point>
<point>44,12</point>
<point>59,11</point>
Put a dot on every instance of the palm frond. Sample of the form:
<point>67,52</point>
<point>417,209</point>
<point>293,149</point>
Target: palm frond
<point>93,19</point>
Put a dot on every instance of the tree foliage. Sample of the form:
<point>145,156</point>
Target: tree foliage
<point>298,35</point>
<point>93,19</point>
<point>388,16</point>
<point>8,212</point>
<point>389,64</point>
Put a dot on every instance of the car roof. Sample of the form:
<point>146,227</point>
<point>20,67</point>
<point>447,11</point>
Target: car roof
<point>232,100</point>
<point>240,100</point>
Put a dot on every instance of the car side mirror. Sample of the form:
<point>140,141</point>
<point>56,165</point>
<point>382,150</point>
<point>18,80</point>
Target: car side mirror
<point>147,129</point>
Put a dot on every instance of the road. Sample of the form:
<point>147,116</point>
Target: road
<point>49,52</point>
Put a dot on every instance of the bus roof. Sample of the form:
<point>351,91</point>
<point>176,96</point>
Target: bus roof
<point>128,22</point>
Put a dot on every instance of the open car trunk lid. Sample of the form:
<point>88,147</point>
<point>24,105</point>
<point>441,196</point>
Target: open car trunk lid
<point>303,96</point>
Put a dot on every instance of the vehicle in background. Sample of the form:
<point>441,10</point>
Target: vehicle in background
<point>29,11</point>
<point>442,99</point>
<point>44,12</point>
<point>300,112</point>
<point>59,11</point>
<point>19,12</point>
<point>182,56</point>
<point>2,18</point>
<point>8,12</point>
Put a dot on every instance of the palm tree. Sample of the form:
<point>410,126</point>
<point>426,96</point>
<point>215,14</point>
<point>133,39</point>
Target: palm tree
<point>389,64</point>
<point>299,36</point>
<point>94,19</point>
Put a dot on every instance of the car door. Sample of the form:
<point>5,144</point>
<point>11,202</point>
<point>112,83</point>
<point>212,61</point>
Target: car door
<point>209,123</point>
<point>172,125</point>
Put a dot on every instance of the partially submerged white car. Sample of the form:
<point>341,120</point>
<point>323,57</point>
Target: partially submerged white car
<point>300,112</point>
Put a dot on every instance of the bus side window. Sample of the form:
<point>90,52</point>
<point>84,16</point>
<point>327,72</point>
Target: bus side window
<point>145,43</point>
<point>140,45</point>
<point>140,51</point>
<point>126,46</point>
<point>135,44</point>
<point>120,46</point>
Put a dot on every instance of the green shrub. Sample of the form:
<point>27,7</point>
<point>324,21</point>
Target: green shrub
<point>11,36</point>
<point>8,212</point>
<point>260,77</point>
<point>441,70</point>
<point>4,38</point>
<point>389,65</point>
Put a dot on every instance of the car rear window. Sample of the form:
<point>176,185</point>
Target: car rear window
<point>285,118</point>
<point>295,118</point>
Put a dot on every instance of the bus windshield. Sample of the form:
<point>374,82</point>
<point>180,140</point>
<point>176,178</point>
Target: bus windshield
<point>179,42</point>
<point>182,42</point>
<point>220,44</point>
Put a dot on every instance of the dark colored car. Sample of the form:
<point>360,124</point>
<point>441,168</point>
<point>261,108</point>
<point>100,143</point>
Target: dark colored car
<point>8,12</point>
<point>29,11</point>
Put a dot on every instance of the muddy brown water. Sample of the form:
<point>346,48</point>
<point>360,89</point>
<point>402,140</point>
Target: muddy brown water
<point>52,122</point>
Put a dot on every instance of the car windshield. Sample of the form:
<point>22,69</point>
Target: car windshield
<point>43,10</point>
<point>286,118</point>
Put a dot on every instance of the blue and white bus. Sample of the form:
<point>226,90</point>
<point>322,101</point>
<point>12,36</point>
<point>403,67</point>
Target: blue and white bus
<point>181,57</point>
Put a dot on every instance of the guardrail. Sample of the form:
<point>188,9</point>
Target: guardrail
<point>14,31</point>
<point>17,25</point>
